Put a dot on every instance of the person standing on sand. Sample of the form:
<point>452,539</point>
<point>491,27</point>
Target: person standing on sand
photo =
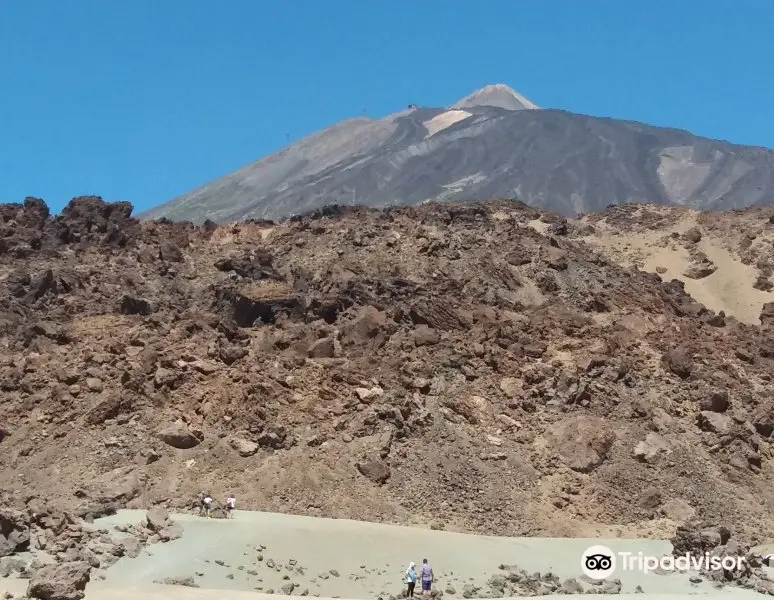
<point>411,580</point>
<point>207,501</point>
<point>427,577</point>
<point>230,506</point>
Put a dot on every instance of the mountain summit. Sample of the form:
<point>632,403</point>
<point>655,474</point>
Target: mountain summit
<point>492,143</point>
<point>498,95</point>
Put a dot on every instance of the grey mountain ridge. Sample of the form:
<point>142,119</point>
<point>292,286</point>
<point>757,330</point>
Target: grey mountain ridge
<point>493,143</point>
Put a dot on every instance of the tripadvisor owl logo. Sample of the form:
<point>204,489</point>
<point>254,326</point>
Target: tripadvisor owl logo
<point>598,562</point>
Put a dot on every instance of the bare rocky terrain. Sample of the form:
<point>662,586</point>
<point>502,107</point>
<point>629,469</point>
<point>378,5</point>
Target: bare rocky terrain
<point>479,367</point>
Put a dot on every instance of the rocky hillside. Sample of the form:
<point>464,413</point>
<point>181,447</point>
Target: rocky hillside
<point>470,366</point>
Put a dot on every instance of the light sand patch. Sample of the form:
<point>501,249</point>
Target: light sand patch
<point>529,294</point>
<point>538,225</point>
<point>444,120</point>
<point>729,288</point>
<point>679,173</point>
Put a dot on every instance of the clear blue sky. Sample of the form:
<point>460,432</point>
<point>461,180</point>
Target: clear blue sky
<point>143,100</point>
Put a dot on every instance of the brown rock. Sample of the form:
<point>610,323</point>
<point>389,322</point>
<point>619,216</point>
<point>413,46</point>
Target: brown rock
<point>131,547</point>
<point>767,314</point>
<point>651,447</point>
<point>178,436</point>
<point>131,305</point>
<point>763,284</point>
<point>700,270</point>
<point>693,235</point>
<point>519,257</point>
<point>169,252</point>
<point>744,355</point>
<point>171,532</point>
<point>763,418</point>
<point>376,470</point>
<point>65,581</point>
<point>535,349</point>
<point>556,258</point>
<point>650,498</point>
<point>471,408</point>
<point>322,348</point>
<point>425,336</point>
<point>157,518</point>
<point>583,442</point>
<point>14,532</point>
<point>716,401</point>
<point>244,447</point>
<point>511,386</point>
<point>94,384</point>
<point>715,422</point>
<point>678,509</point>
<point>678,361</point>
<point>205,367</point>
<point>370,329</point>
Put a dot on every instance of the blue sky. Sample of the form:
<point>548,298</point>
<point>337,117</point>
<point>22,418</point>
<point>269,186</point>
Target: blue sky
<point>143,100</point>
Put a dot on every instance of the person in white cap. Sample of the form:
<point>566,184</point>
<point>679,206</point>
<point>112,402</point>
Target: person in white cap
<point>411,580</point>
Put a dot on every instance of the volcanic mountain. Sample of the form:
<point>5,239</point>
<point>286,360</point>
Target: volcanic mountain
<point>494,143</point>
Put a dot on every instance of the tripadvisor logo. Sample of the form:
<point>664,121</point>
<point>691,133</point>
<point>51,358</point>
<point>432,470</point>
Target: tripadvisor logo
<point>600,562</point>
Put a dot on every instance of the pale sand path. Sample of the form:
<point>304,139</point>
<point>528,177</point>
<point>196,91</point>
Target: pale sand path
<point>369,557</point>
<point>101,591</point>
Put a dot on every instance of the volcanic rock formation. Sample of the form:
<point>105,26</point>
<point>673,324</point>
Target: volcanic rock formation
<point>476,365</point>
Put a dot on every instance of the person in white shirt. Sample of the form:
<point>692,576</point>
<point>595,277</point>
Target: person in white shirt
<point>230,506</point>
<point>207,504</point>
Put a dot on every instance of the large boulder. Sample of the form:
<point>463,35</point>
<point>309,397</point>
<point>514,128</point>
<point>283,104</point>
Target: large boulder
<point>763,418</point>
<point>157,518</point>
<point>178,436</point>
<point>376,470</point>
<point>244,447</point>
<point>649,449</point>
<point>718,423</point>
<point>65,581</point>
<point>582,442</point>
<point>691,538</point>
<point>368,331</point>
<point>14,532</point>
<point>678,361</point>
<point>716,401</point>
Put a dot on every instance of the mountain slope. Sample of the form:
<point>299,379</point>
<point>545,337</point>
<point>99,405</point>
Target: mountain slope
<point>493,143</point>
<point>471,365</point>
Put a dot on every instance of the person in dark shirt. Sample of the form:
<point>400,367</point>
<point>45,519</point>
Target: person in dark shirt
<point>427,578</point>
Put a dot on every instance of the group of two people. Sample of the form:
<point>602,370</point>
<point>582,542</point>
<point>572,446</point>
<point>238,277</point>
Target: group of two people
<point>205,505</point>
<point>425,576</point>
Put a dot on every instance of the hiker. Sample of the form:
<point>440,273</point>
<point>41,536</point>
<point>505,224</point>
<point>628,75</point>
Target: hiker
<point>207,505</point>
<point>230,506</point>
<point>411,580</point>
<point>427,577</point>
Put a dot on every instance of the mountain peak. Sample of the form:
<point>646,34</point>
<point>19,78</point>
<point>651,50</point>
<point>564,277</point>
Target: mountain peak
<point>497,94</point>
